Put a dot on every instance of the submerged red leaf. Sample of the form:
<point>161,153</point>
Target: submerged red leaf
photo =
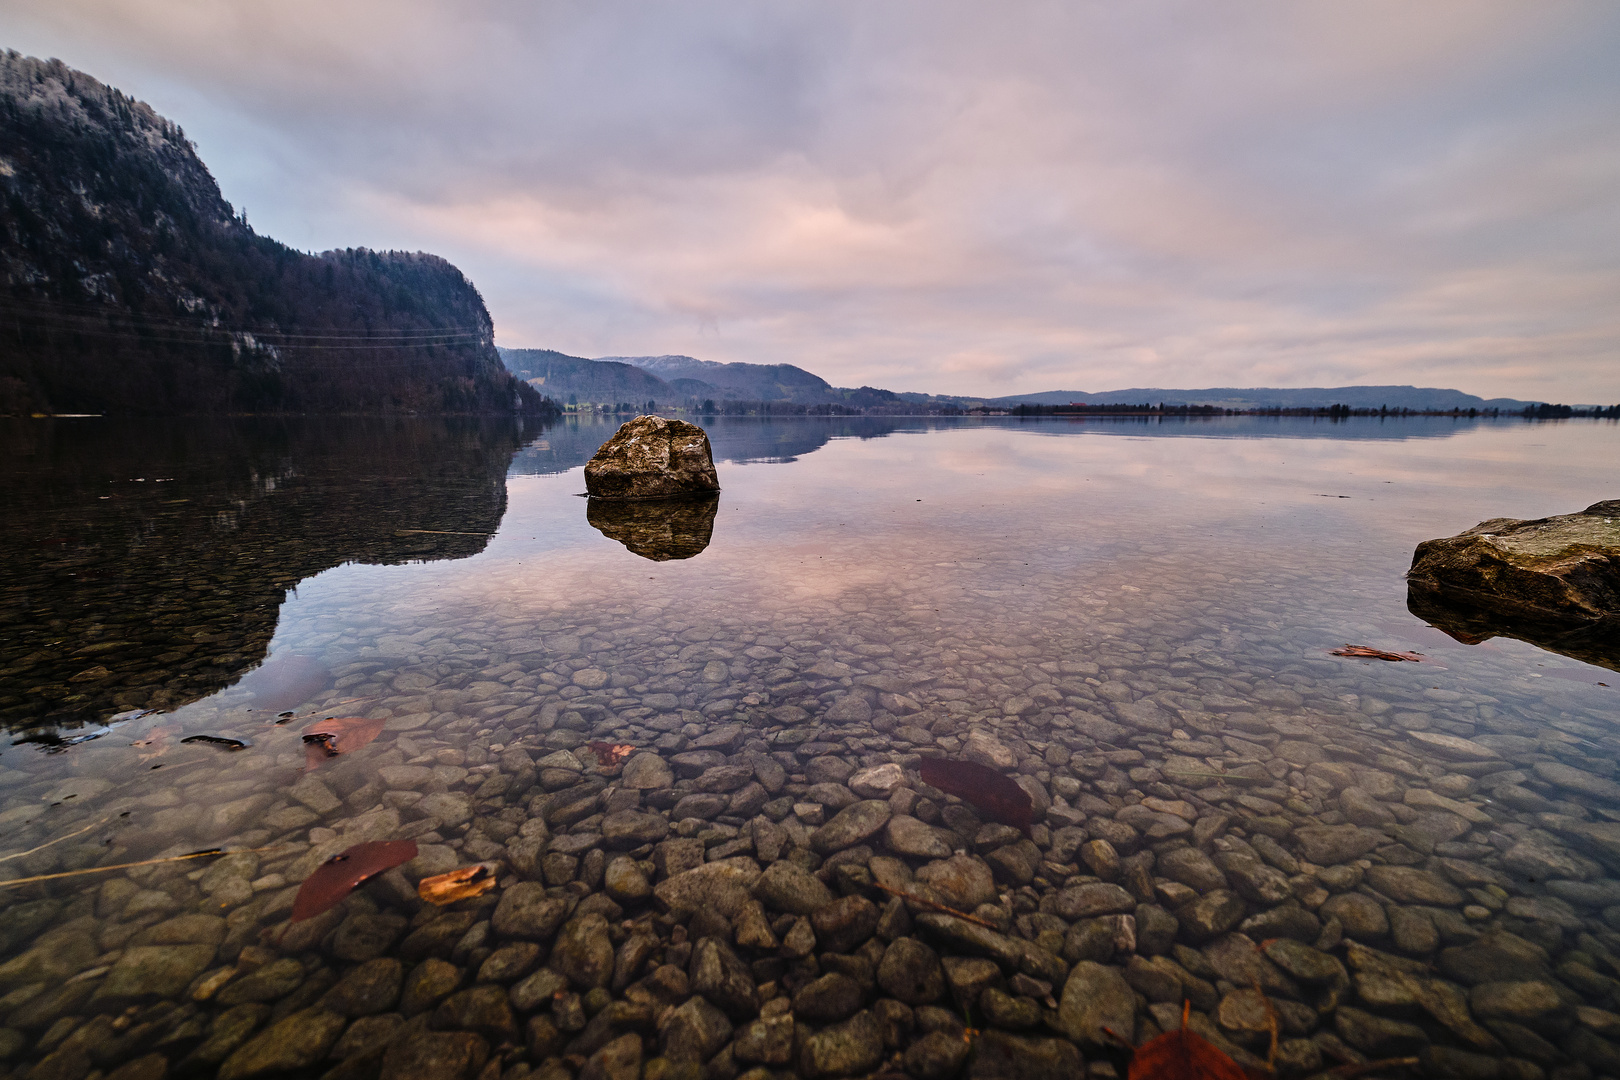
<point>1184,1054</point>
<point>338,735</point>
<point>345,872</point>
<point>984,787</point>
<point>1366,652</point>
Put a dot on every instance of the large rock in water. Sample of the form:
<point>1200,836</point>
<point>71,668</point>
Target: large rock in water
<point>1554,582</point>
<point>652,458</point>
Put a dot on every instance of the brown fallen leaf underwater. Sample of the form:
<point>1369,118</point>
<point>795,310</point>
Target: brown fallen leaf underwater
<point>982,786</point>
<point>345,872</point>
<point>338,735</point>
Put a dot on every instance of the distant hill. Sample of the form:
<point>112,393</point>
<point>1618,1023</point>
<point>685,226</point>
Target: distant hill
<point>571,380</point>
<point>131,286</point>
<point>683,380</point>
<point>1357,397</point>
<point>746,382</point>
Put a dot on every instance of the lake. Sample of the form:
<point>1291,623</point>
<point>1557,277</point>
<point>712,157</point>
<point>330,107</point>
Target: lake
<point>1134,618</point>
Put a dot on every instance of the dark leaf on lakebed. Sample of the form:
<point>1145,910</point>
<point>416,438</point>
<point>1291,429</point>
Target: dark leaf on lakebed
<point>221,741</point>
<point>1366,652</point>
<point>345,872</point>
<point>984,787</point>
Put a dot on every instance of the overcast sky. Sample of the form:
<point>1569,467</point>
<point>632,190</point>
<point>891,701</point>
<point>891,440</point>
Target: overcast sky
<point>983,198</point>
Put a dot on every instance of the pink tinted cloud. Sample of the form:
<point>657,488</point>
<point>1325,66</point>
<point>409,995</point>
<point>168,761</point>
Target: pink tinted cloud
<point>949,197</point>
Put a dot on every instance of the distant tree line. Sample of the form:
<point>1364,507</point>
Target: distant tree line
<point>710,407</point>
<point>1563,412</point>
<point>1330,412</point>
<point>1143,409</point>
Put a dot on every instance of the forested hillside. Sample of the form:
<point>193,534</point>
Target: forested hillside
<point>570,380</point>
<point>683,382</point>
<point>131,286</point>
<point>756,382</point>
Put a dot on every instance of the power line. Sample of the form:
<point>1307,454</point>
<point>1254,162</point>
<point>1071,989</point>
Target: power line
<point>88,325</point>
<point>104,322</point>
<point>80,318</point>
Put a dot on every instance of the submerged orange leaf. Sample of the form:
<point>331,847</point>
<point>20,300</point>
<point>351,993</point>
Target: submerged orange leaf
<point>610,756</point>
<point>462,883</point>
<point>338,735</point>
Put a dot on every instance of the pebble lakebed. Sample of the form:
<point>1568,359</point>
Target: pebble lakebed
<point>1379,869</point>
<point>1402,860</point>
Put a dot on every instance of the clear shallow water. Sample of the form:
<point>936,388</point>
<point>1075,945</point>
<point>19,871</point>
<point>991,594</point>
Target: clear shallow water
<point>1125,610</point>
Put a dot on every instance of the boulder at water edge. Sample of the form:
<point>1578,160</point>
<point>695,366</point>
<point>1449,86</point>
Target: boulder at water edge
<point>1552,581</point>
<point>651,457</point>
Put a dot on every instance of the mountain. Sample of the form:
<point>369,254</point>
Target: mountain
<point>756,382</point>
<point>1357,397</point>
<point>683,380</point>
<point>132,286</point>
<point>746,382</point>
<point>574,379</point>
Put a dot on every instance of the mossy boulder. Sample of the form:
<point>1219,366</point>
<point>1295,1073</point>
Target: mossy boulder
<point>651,457</point>
<point>1554,582</point>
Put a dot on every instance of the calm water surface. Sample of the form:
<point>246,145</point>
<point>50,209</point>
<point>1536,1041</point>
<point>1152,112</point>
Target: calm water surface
<point>1116,610</point>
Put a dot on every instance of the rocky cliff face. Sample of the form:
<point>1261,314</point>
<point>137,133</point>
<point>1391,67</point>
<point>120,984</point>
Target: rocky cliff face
<point>131,286</point>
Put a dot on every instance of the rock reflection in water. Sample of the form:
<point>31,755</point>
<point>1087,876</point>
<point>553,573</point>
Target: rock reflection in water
<point>1591,642</point>
<point>657,529</point>
<point>147,564</point>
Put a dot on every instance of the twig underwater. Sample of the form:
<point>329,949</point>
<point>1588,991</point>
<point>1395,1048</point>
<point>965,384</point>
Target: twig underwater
<point>58,840</point>
<point>923,901</point>
<point>211,853</point>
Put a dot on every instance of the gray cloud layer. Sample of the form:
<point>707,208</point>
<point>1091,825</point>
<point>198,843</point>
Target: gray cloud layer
<point>959,197</point>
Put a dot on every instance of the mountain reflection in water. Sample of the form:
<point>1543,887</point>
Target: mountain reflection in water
<point>657,529</point>
<point>570,442</point>
<point>147,562</point>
